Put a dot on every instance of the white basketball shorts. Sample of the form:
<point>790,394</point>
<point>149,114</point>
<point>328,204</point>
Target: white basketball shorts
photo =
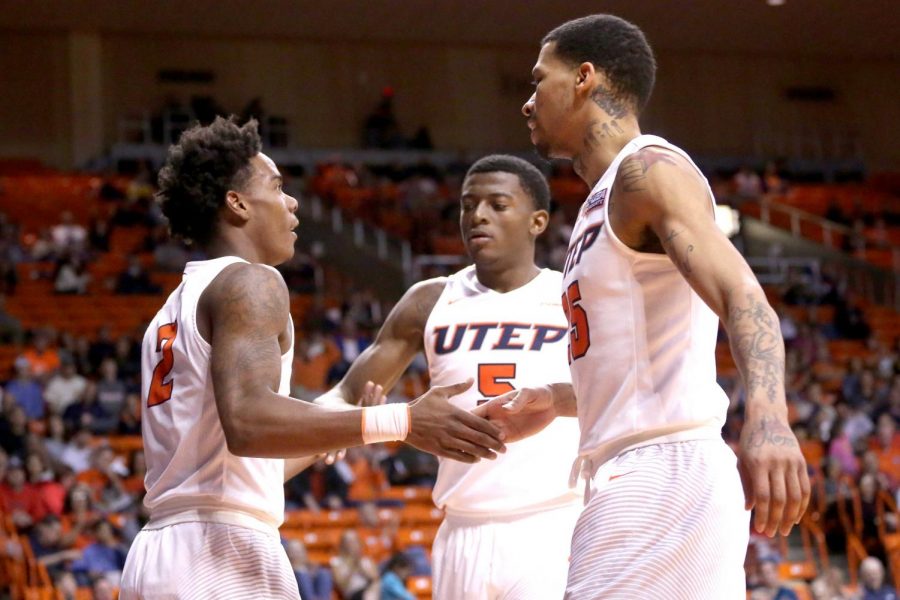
<point>207,560</point>
<point>504,558</point>
<point>663,521</point>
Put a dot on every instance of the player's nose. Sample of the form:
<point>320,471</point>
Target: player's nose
<point>528,107</point>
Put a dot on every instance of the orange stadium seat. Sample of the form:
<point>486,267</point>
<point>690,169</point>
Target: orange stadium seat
<point>416,536</point>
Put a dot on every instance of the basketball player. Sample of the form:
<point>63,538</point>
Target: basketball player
<point>216,359</point>
<point>647,278</point>
<point>509,524</point>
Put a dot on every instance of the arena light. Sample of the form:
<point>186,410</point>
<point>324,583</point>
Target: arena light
<point>728,220</point>
<point>775,2</point>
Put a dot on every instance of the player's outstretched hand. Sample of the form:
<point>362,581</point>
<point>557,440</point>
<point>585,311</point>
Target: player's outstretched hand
<point>774,475</point>
<point>442,429</point>
<point>372,395</point>
<point>520,413</point>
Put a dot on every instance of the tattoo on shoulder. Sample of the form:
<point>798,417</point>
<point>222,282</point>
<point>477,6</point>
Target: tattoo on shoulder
<point>609,102</point>
<point>633,170</point>
<point>757,346</point>
<point>771,432</point>
<point>251,295</point>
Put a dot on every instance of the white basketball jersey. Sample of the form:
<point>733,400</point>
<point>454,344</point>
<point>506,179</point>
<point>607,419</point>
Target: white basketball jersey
<point>503,341</point>
<point>642,342</point>
<point>189,467</point>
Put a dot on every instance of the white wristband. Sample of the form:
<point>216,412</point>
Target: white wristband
<point>385,423</point>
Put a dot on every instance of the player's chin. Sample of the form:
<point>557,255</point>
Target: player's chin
<point>541,147</point>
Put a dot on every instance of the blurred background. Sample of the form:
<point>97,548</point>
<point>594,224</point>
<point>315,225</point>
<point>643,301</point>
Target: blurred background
<point>374,109</point>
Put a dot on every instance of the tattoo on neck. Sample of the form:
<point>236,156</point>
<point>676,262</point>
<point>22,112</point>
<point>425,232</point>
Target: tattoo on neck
<point>757,346</point>
<point>633,170</point>
<point>771,432</point>
<point>607,100</point>
<point>598,130</point>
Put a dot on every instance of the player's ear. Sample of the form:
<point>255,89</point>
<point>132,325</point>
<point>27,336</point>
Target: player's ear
<point>586,79</point>
<point>235,210</point>
<point>539,220</point>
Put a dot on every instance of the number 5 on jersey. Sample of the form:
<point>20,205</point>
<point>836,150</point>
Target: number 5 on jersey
<point>579,330</point>
<point>159,390</point>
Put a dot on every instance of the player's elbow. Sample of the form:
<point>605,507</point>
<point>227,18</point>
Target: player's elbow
<point>239,440</point>
<point>241,431</point>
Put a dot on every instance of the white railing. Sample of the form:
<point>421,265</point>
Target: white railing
<point>830,231</point>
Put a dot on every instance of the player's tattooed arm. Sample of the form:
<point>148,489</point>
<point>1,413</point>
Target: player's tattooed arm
<point>757,346</point>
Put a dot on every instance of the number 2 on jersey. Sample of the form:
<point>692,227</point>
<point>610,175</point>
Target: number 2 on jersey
<point>579,330</point>
<point>160,391</point>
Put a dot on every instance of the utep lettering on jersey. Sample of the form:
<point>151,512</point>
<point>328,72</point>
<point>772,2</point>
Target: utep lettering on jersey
<point>584,241</point>
<point>499,336</point>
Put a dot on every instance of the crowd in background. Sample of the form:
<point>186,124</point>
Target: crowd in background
<point>65,395</point>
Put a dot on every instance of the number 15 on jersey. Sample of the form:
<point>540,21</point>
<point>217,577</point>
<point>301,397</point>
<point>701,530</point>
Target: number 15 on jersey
<point>579,329</point>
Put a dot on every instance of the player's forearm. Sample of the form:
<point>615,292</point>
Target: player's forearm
<point>758,351</point>
<point>276,426</point>
<point>564,399</point>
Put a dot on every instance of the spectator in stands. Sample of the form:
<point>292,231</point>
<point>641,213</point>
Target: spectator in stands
<point>868,490</point>
<point>135,279</point>
<point>355,575</point>
<point>13,429</point>
<point>314,356</point>
<point>103,589</point>
<point>101,347</point>
<point>48,548</point>
<point>850,320</point>
<point>368,480</point>
<point>81,516</point>
<point>90,414</point>
<point>128,361</point>
<point>841,450</point>
<point>66,585</point>
<point>169,254</point>
<point>393,580</point>
<point>43,359</point>
<point>64,388</point>
<point>77,452</point>
<point>55,442</point>
<point>99,232</point>
<point>111,390</point>
<point>381,129</point>
<point>43,248</point>
<point>40,477</point>
<point>18,498</point>
<point>105,479</point>
<point>885,445</point>
<point>351,342</point>
<point>71,276</point>
<point>103,558</point>
<point>137,469</point>
<point>25,390</point>
<point>378,535</point>
<point>772,587</point>
<point>68,236</point>
<point>773,181</point>
<point>313,580</point>
<point>11,331</point>
<point>321,486</point>
<point>408,466</point>
<point>747,184</point>
<point>130,416</point>
<point>871,574</point>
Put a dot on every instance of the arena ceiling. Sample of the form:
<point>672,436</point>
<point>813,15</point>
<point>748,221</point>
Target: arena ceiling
<point>859,29</point>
